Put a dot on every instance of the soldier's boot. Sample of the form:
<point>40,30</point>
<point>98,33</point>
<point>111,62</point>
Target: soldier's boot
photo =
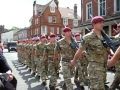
<point>115,83</point>
<point>43,86</point>
<point>64,87</point>
<point>106,87</point>
<point>79,87</point>
<point>51,87</point>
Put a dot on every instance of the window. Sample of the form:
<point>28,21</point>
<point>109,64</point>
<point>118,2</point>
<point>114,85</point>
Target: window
<point>75,22</point>
<point>65,21</point>
<point>52,29</point>
<point>50,19</point>
<point>102,7</point>
<point>58,31</point>
<point>117,6</point>
<point>43,29</point>
<point>89,10</point>
<point>52,9</point>
<point>54,19</point>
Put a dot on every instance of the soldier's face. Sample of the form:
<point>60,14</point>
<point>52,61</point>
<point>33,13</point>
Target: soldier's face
<point>52,39</point>
<point>77,38</point>
<point>99,26</point>
<point>68,33</point>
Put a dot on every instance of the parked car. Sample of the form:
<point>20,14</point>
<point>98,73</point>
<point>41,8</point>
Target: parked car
<point>12,46</point>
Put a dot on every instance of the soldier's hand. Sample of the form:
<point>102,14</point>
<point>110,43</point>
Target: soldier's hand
<point>72,63</point>
<point>109,63</point>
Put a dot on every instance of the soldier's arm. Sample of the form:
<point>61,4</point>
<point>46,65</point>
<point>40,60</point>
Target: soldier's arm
<point>77,55</point>
<point>115,58</point>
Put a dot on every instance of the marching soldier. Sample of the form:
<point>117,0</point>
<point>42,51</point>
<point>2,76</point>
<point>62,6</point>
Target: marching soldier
<point>116,81</point>
<point>97,55</point>
<point>66,49</point>
<point>52,61</point>
<point>81,68</point>
<point>42,68</point>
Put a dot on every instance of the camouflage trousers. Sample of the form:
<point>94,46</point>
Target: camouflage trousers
<point>39,65</point>
<point>67,75</point>
<point>44,70</point>
<point>116,80</point>
<point>33,62</point>
<point>52,73</point>
<point>97,76</point>
<point>79,74</point>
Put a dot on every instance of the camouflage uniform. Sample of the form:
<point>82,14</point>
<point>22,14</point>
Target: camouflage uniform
<point>33,60</point>
<point>97,56</point>
<point>49,52</point>
<point>67,53</point>
<point>81,69</point>
<point>40,65</point>
<point>116,81</point>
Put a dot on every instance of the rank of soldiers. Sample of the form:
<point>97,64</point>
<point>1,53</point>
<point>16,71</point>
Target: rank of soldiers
<point>84,58</point>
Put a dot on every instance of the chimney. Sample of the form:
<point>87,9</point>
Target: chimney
<point>34,3</point>
<point>75,11</point>
<point>57,3</point>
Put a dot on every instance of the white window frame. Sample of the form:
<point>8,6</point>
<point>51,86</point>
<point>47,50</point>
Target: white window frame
<point>87,10</point>
<point>65,21</point>
<point>50,19</point>
<point>99,8</point>
<point>58,30</point>
<point>44,29</point>
<point>115,9</point>
<point>75,22</point>
<point>52,9</point>
<point>52,29</point>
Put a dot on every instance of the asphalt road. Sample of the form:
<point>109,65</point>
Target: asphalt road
<point>26,81</point>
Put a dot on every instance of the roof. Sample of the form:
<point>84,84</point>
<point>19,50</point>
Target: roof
<point>42,8</point>
<point>67,12</point>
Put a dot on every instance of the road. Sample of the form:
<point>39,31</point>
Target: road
<point>26,81</point>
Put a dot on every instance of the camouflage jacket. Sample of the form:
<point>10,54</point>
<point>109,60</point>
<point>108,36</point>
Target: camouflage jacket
<point>93,45</point>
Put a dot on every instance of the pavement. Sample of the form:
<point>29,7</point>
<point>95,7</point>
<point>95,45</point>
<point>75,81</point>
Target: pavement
<point>26,81</point>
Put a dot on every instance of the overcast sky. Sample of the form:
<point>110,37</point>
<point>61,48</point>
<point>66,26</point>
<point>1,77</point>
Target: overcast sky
<point>18,12</point>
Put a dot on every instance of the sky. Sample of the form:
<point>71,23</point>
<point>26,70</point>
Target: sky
<point>18,12</point>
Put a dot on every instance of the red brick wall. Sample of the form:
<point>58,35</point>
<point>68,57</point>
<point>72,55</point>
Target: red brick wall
<point>109,8</point>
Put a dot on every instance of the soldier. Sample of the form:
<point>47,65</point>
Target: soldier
<point>66,49</point>
<point>42,67</point>
<point>52,61</point>
<point>116,81</point>
<point>81,69</point>
<point>97,55</point>
<point>39,53</point>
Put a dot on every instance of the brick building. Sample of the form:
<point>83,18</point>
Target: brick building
<point>50,18</point>
<point>109,9</point>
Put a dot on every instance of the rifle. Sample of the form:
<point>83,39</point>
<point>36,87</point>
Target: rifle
<point>108,42</point>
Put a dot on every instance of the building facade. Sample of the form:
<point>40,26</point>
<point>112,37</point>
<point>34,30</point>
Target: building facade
<point>50,18</point>
<point>20,34</point>
<point>109,9</point>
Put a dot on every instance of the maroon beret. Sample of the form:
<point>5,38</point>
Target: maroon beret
<point>43,36</point>
<point>52,35</point>
<point>118,25</point>
<point>66,29</point>
<point>97,19</point>
<point>77,34</point>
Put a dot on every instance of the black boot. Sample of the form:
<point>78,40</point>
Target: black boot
<point>64,87</point>
<point>79,87</point>
<point>51,87</point>
<point>43,86</point>
<point>115,83</point>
